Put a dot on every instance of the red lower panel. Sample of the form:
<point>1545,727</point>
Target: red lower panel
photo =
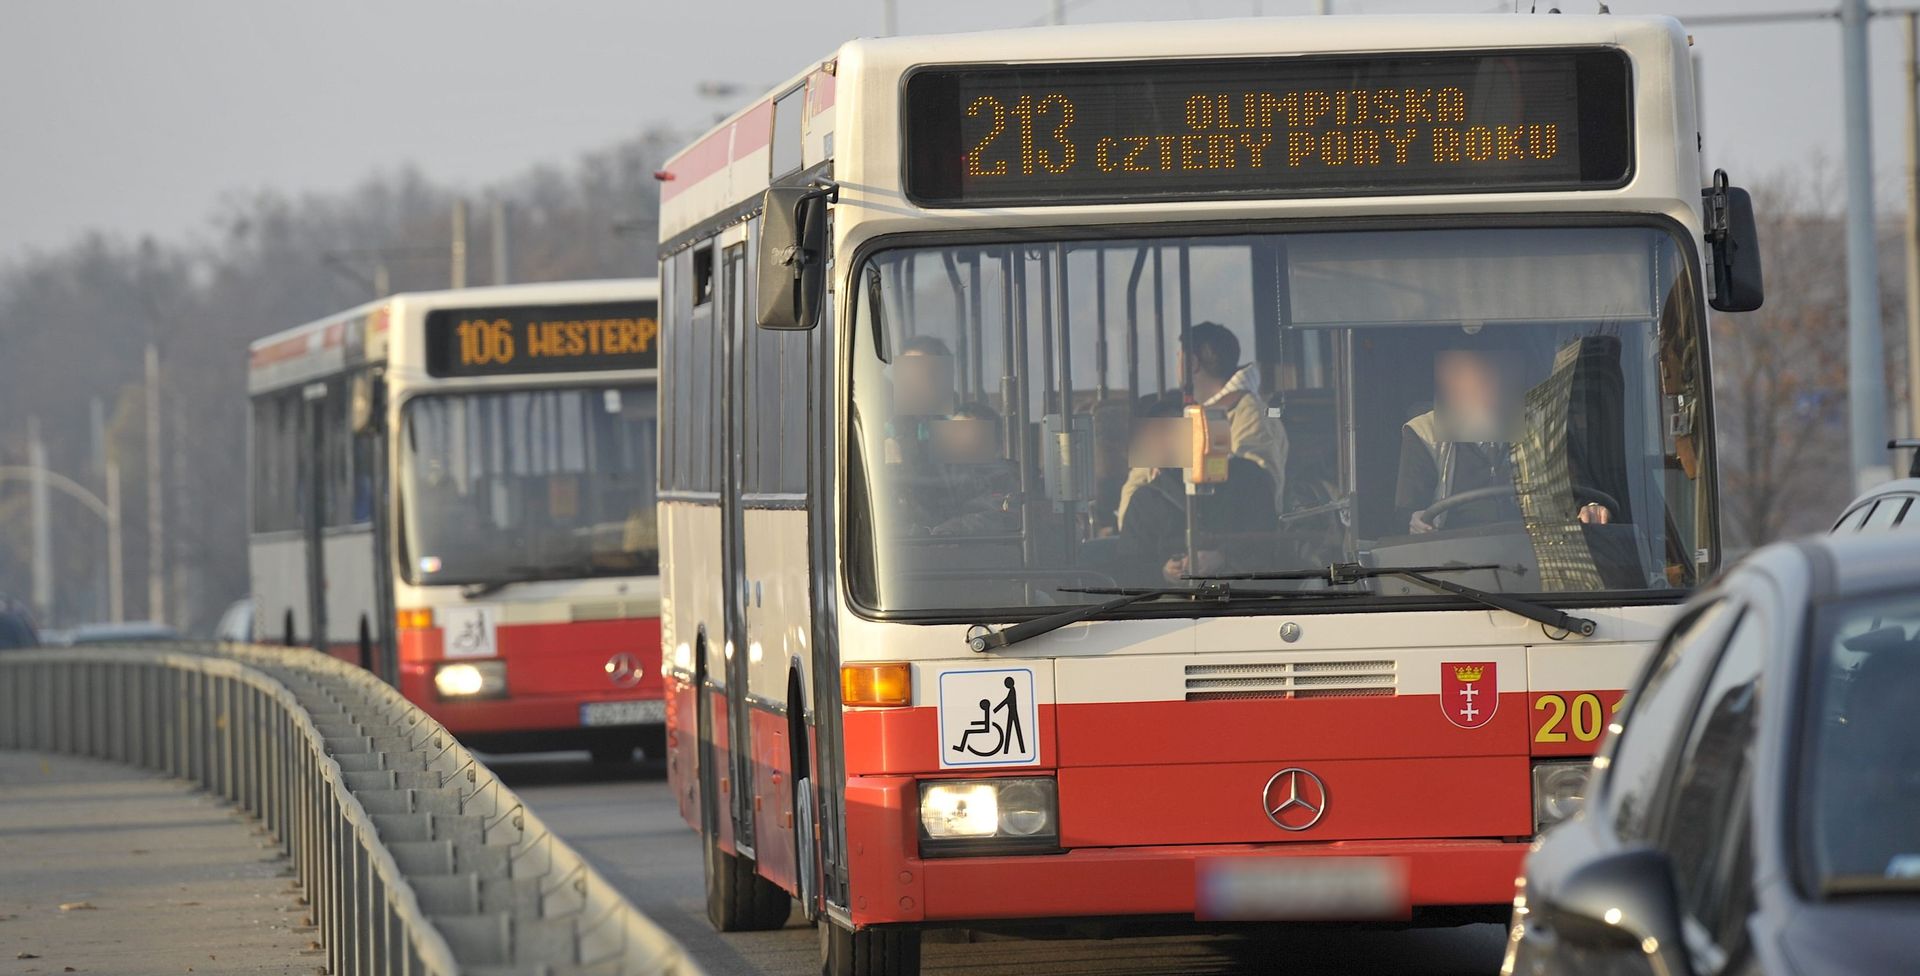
<point>773,851</point>
<point>891,884</point>
<point>1260,730</point>
<point>552,669</point>
<point>683,743</point>
<point>1222,803</point>
<point>907,740</point>
<point>1160,880</point>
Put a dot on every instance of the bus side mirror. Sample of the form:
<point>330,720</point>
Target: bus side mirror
<point>364,403</point>
<point>793,256</point>
<point>1734,243</point>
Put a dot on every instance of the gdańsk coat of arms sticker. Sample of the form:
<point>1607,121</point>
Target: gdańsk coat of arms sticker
<point>1469,692</point>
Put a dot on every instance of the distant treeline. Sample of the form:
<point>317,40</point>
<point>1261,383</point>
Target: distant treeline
<point>74,324</point>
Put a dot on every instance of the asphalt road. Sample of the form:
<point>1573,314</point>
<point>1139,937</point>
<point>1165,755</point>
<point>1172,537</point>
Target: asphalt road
<point>623,819</point>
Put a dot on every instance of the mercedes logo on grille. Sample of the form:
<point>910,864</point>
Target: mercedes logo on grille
<point>1294,799</point>
<point>623,670</point>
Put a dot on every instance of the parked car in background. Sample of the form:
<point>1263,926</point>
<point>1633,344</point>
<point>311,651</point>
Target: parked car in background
<point>16,627</point>
<point>236,623</point>
<point>1756,808</point>
<point>1888,506</point>
<point>136,632</point>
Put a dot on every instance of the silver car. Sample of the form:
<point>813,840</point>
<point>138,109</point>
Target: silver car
<point>1756,808</point>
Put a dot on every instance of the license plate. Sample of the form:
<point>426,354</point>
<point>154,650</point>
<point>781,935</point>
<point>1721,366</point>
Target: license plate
<point>651,712</point>
<point>1301,889</point>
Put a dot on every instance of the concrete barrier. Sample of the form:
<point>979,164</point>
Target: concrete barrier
<point>414,857</point>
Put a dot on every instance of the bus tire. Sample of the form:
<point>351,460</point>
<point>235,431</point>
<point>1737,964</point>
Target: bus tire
<point>738,898</point>
<point>868,952</point>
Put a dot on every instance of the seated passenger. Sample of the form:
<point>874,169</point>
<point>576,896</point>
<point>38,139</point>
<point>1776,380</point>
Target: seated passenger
<point>1210,356</point>
<point>968,487</point>
<point>1233,523</point>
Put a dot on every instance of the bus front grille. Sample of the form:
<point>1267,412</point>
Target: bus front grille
<point>1292,679</point>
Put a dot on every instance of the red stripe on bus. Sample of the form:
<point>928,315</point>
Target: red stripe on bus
<point>820,92</point>
<point>753,130</point>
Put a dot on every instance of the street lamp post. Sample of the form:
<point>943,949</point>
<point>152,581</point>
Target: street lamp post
<point>108,511</point>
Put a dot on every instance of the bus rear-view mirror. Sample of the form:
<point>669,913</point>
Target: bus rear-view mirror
<point>793,257</point>
<point>1734,242</point>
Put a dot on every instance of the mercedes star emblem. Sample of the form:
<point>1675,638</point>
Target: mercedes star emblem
<point>1294,799</point>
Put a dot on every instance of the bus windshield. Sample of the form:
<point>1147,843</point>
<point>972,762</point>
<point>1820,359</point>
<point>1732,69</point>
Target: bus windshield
<point>514,485</point>
<point>1522,398</point>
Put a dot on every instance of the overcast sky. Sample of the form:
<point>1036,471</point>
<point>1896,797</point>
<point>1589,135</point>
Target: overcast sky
<point>136,117</point>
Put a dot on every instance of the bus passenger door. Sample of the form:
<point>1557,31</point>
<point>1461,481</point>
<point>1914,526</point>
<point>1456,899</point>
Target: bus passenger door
<point>313,510</point>
<point>734,322</point>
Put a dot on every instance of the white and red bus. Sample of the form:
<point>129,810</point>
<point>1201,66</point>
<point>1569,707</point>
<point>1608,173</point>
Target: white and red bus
<point>1210,473</point>
<point>455,489</point>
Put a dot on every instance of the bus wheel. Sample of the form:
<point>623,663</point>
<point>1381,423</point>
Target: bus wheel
<point>738,898</point>
<point>868,952</point>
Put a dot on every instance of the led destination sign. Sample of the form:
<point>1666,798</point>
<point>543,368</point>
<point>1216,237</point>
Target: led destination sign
<point>1000,134</point>
<point>542,339</point>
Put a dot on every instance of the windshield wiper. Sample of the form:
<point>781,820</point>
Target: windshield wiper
<point>1123,596</point>
<point>530,574</point>
<point>1341,574</point>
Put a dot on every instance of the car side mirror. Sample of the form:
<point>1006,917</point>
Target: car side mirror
<point>793,256</point>
<point>1734,242</point>
<point>1623,902</point>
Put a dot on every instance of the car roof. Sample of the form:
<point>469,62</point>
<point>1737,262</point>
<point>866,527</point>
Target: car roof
<point>1841,567</point>
<point>107,632</point>
<point>1899,486</point>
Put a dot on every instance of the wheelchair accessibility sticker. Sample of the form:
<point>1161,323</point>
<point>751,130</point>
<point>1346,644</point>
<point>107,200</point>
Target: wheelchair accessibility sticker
<point>988,718</point>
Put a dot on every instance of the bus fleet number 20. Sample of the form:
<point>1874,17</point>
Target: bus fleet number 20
<point>1581,716</point>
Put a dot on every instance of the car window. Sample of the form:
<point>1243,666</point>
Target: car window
<point>1652,718</point>
<point>1862,763</point>
<point>1886,514</point>
<point>1710,795</point>
<point>1850,522</point>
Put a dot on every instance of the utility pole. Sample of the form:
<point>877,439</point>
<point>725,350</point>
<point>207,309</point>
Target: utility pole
<point>1913,224</point>
<point>1867,405</point>
<point>42,523</point>
<point>889,17</point>
<point>1056,12</point>
<point>458,279</point>
<point>116,563</point>
<point>156,497</point>
<point>499,243</point>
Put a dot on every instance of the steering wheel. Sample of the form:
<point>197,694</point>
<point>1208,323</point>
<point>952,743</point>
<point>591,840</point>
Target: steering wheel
<point>1471,495</point>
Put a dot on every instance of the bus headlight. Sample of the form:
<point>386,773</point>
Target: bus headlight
<point>1559,790</point>
<point>988,816</point>
<point>471,679</point>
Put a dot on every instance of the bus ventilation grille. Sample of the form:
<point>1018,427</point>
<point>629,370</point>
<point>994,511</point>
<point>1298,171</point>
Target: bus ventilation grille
<point>1292,679</point>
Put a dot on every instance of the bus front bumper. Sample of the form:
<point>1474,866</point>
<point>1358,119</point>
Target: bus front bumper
<point>892,884</point>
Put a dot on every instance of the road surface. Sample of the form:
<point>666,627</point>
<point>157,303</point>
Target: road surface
<point>623,819</point>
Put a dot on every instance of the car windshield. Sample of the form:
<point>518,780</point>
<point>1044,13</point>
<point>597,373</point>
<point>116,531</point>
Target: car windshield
<point>1526,398</point>
<point>1863,766</point>
<point>513,485</point>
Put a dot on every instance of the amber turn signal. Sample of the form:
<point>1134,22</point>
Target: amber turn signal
<point>419,618</point>
<point>876,684</point>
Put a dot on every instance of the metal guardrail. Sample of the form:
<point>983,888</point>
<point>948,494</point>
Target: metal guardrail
<point>413,856</point>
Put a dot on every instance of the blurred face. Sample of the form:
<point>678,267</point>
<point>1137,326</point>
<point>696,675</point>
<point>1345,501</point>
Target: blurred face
<point>1472,392</point>
<point>966,440</point>
<point>923,384</point>
<point>1158,442</point>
